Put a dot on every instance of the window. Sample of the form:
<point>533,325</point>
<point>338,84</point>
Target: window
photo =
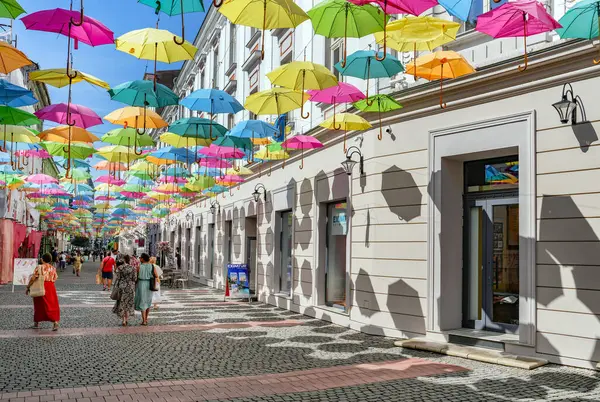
<point>285,249</point>
<point>335,255</point>
<point>188,252</point>
<point>202,79</point>
<point>215,78</point>
<point>230,121</point>
<point>198,249</point>
<point>492,175</point>
<point>478,7</point>
<point>229,234</point>
<point>252,116</point>
<point>232,43</point>
<point>211,249</point>
<point>333,54</point>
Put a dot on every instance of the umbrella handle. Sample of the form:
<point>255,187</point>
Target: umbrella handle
<point>523,68</point>
<point>442,103</point>
<point>302,100</point>
<point>182,28</point>
<point>302,157</point>
<point>345,146</point>
<point>80,23</point>
<point>380,135</point>
<point>334,126</point>
<point>217,4</point>
<point>262,46</point>
<point>71,77</point>
<point>343,61</point>
<point>211,129</point>
<point>384,35</point>
<point>271,169</point>
<point>144,128</point>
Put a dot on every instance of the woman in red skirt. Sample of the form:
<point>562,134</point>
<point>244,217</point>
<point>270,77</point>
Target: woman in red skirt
<point>45,308</point>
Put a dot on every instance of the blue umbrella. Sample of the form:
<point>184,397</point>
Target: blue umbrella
<point>253,129</point>
<point>211,101</point>
<point>197,127</point>
<point>206,171</point>
<point>4,157</point>
<point>467,10</point>
<point>174,154</point>
<point>15,96</point>
<point>365,64</point>
<point>7,169</point>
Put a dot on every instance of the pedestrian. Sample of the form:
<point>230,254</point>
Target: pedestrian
<point>126,276</point>
<point>54,257</point>
<point>135,262</point>
<point>106,266</point>
<point>178,257</point>
<point>45,308</point>
<point>156,296</point>
<point>143,291</point>
<point>94,256</point>
<point>63,261</point>
<point>77,261</point>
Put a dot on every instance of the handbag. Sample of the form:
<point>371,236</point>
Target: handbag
<point>37,287</point>
<point>153,284</point>
<point>115,293</point>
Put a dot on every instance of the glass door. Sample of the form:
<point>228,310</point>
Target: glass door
<point>251,261</point>
<point>491,297</point>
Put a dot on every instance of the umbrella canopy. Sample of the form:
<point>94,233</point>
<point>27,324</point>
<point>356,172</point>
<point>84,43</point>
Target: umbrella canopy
<point>127,137</point>
<point>581,21</point>
<point>41,179</point>
<point>143,93</point>
<point>178,141</point>
<point>302,142</point>
<point>70,114</point>
<point>77,134</point>
<point>15,96</point>
<point>11,58</point>
<point>212,101</point>
<point>176,7</point>
<point>516,19</point>
<point>264,14</point>
<point>77,150</point>
<point>10,9</point>
<point>275,101</point>
<point>91,32</point>
<point>346,122</point>
<point>136,117</point>
<point>195,127</point>
<point>342,19</point>
<point>253,129</point>
<point>111,166</point>
<point>379,104</point>
<point>440,65</point>
<point>341,93</point>
<point>57,77</point>
<point>118,153</point>
<point>155,44</point>
<point>18,117</point>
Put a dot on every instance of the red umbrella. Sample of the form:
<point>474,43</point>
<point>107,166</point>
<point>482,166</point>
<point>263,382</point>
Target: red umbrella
<point>302,142</point>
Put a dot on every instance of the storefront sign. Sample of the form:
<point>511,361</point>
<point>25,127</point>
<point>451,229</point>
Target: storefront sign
<point>339,224</point>
<point>239,280</point>
<point>24,268</point>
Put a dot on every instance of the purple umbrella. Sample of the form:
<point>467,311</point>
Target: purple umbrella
<point>71,115</point>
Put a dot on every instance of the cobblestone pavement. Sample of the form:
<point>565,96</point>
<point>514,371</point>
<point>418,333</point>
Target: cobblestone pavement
<point>198,347</point>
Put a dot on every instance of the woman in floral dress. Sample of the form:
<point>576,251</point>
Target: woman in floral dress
<point>125,281</point>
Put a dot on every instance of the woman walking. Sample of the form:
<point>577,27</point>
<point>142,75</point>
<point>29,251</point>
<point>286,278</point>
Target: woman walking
<point>143,291</point>
<point>45,308</point>
<point>124,285</point>
<point>77,261</point>
<point>156,295</point>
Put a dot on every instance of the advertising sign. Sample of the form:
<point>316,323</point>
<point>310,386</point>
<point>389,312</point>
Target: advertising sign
<point>239,280</point>
<point>339,224</point>
<point>24,268</point>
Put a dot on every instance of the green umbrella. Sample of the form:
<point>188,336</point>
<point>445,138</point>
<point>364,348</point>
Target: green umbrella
<point>10,9</point>
<point>17,117</point>
<point>79,150</point>
<point>128,137</point>
<point>233,142</point>
<point>143,93</point>
<point>379,104</point>
<point>581,22</point>
<point>342,19</point>
<point>80,174</point>
<point>177,7</point>
<point>196,127</point>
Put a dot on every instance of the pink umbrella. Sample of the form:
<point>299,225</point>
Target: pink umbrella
<point>110,180</point>
<point>105,198</point>
<point>34,153</point>
<point>342,93</point>
<point>514,19</point>
<point>215,163</point>
<point>41,179</point>
<point>133,194</point>
<point>215,151</point>
<point>70,114</point>
<point>301,142</point>
<point>172,179</point>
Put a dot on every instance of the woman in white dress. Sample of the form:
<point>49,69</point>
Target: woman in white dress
<point>156,297</point>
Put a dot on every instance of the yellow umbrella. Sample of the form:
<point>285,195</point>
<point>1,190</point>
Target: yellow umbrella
<point>11,58</point>
<point>58,133</point>
<point>275,101</point>
<point>108,187</point>
<point>180,142</point>
<point>136,117</point>
<point>264,14</point>
<point>58,77</point>
<point>118,153</point>
<point>440,65</point>
<point>301,75</point>
<point>159,196</point>
<point>346,122</point>
<point>418,34</point>
<point>272,152</point>
<point>240,171</point>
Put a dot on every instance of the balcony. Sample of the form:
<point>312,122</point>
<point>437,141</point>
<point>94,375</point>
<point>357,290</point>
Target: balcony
<point>231,86</point>
<point>254,39</point>
<point>231,69</point>
<point>252,60</point>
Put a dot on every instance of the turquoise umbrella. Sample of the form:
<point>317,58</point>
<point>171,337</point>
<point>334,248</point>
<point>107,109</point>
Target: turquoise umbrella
<point>197,127</point>
<point>142,93</point>
<point>581,22</point>
<point>176,7</point>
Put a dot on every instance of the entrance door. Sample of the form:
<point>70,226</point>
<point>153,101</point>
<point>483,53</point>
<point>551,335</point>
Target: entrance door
<point>251,261</point>
<point>492,264</point>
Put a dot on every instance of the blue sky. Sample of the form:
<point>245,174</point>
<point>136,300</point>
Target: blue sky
<point>105,62</point>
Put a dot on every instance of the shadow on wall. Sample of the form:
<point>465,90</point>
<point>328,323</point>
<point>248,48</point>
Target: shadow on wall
<point>585,134</point>
<point>576,257</point>
<point>306,278</point>
<point>363,284</point>
<point>269,241</point>
<point>401,193</point>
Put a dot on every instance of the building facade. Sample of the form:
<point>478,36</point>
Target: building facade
<point>479,221</point>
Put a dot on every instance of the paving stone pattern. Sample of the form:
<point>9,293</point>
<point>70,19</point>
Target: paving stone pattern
<point>93,360</point>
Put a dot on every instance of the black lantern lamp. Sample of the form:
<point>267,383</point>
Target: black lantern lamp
<point>215,207</point>
<point>189,216</point>
<point>256,193</point>
<point>349,163</point>
<point>568,105</point>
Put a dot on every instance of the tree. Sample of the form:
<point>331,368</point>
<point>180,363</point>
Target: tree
<point>82,242</point>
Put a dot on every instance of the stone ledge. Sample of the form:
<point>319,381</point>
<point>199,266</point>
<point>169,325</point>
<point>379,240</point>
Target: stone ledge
<point>473,353</point>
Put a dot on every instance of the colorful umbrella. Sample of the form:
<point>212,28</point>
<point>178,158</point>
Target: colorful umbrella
<point>342,19</point>
<point>60,77</point>
<point>302,142</point>
<point>514,19</point>
<point>77,134</point>
<point>581,21</point>
<point>11,58</point>
<point>346,122</point>
<point>275,100</point>
<point>70,114</point>
<point>211,101</point>
<point>431,67</point>
<point>128,137</point>
<point>136,117</point>
<point>379,104</point>
<point>177,7</point>
<point>15,96</point>
<point>264,14</point>
<point>143,93</point>
<point>10,9</point>
<point>253,129</point>
<point>178,141</point>
<point>341,93</point>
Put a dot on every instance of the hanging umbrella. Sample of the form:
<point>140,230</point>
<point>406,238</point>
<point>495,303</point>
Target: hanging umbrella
<point>514,19</point>
<point>18,117</point>
<point>581,21</point>
<point>10,9</point>
<point>60,77</point>
<point>341,93</point>
<point>108,179</point>
<point>15,96</point>
<point>379,104</point>
<point>365,64</point>
<point>177,7</point>
<point>263,14</point>
<point>342,19</point>
<point>178,141</point>
<point>253,129</point>
<point>11,58</point>
<point>301,75</point>
<point>212,101</point>
<point>77,150</point>
<point>302,142</point>
<point>117,153</point>
<point>173,154</point>
<point>270,152</point>
<point>414,34</point>
<point>41,179</point>
<point>156,45</point>
<point>136,117</point>
<point>14,134</point>
<point>71,115</point>
<point>110,166</point>
<point>129,138</point>
<point>77,134</point>
<point>143,93</point>
<point>346,122</point>
<point>275,101</point>
<point>431,67</point>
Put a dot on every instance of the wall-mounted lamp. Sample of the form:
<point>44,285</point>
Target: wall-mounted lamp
<point>256,193</point>
<point>189,216</point>
<point>172,221</point>
<point>567,106</point>
<point>215,207</point>
<point>349,163</point>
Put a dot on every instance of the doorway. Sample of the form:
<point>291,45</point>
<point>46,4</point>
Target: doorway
<point>251,261</point>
